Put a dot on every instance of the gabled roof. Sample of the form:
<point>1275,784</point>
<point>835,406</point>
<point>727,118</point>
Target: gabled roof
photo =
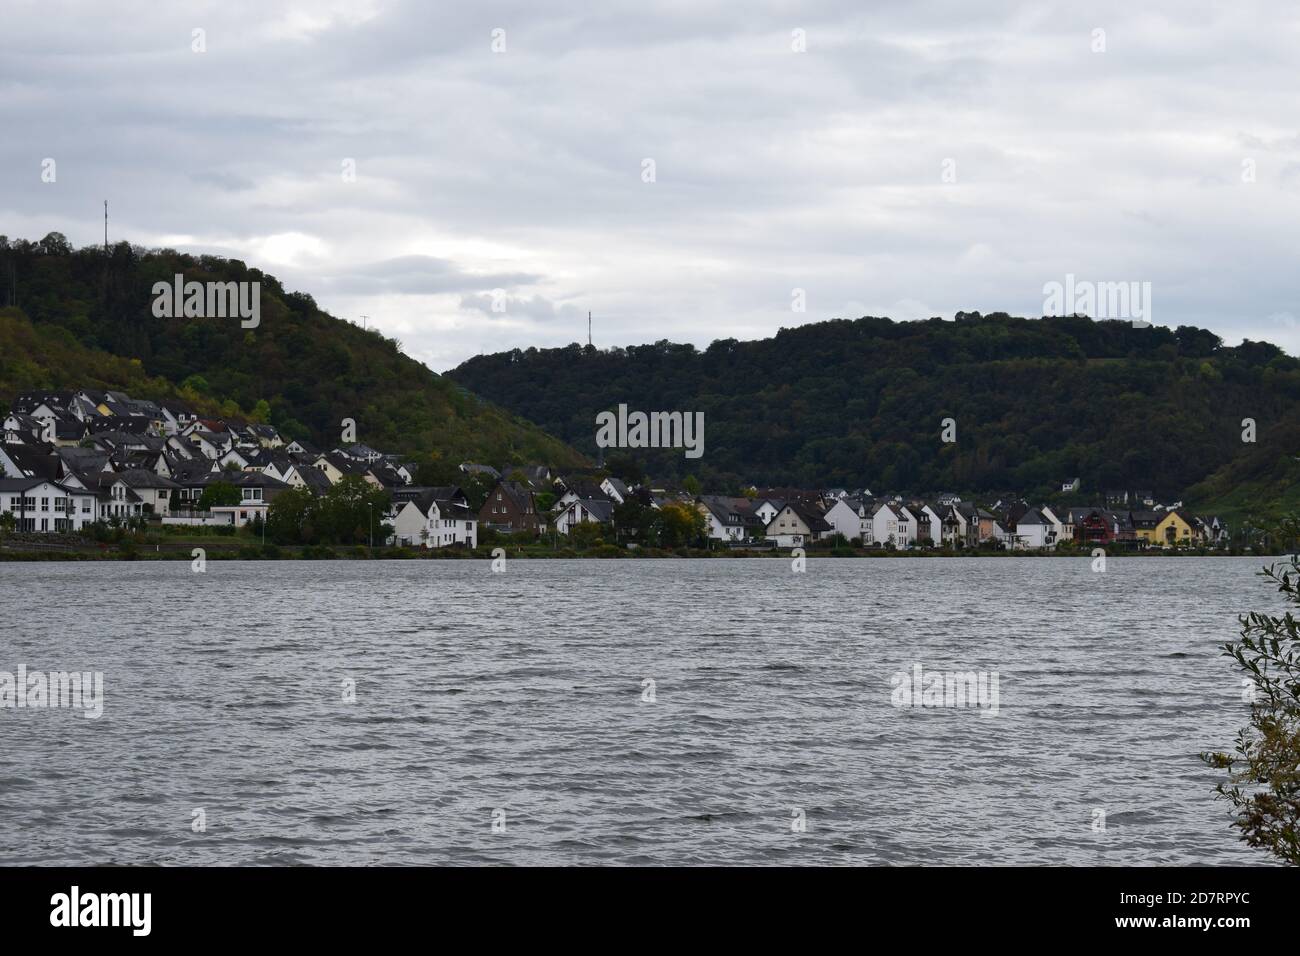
<point>722,509</point>
<point>517,494</point>
<point>1032,517</point>
<point>347,466</point>
<point>602,509</point>
<point>140,478</point>
<point>34,459</point>
<point>22,484</point>
<point>315,480</point>
<point>815,521</point>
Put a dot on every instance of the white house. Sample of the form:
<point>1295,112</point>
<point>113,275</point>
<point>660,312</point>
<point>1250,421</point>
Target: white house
<point>1034,530</point>
<point>1061,526</point>
<point>723,521</point>
<point>796,525</point>
<point>431,522</point>
<point>41,505</point>
<point>152,489</point>
<point>210,444</point>
<point>616,490</point>
<point>1008,535</point>
<point>240,514</point>
<point>596,510</point>
<point>767,509</point>
<point>891,523</point>
<point>851,518</point>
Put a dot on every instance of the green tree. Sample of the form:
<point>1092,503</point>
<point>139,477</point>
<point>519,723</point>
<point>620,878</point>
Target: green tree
<point>351,512</point>
<point>634,519</point>
<point>587,534</point>
<point>1263,782</point>
<point>624,466</point>
<point>680,524</point>
<point>289,517</point>
<point>218,493</point>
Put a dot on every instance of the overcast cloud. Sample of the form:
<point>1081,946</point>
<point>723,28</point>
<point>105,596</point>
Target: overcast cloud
<point>499,196</point>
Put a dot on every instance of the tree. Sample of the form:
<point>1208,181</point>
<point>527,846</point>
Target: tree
<point>624,466</point>
<point>288,519</point>
<point>680,524</point>
<point>56,244</point>
<point>586,534</point>
<point>1263,782</point>
<point>691,484</point>
<point>218,493</point>
<point>634,519</point>
<point>351,512</point>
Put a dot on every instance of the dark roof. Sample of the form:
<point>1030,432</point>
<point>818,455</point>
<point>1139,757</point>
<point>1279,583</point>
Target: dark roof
<point>22,484</point>
<point>36,459</point>
<point>809,516</point>
<point>455,510</point>
<point>601,508</point>
<point>139,478</point>
<point>519,495</point>
<point>315,480</point>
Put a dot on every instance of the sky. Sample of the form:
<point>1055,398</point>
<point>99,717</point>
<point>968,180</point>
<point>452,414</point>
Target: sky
<point>478,177</point>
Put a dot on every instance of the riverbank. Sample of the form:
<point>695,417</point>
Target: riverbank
<point>224,549</point>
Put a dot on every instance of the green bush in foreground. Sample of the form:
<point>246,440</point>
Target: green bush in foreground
<point>1263,782</point>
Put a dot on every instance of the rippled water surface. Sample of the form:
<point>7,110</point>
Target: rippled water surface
<point>518,697</point>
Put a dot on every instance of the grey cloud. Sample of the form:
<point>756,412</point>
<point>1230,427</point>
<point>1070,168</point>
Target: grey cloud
<point>775,169</point>
<point>535,308</point>
<point>420,275</point>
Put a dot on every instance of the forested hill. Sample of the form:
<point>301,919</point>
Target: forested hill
<point>1036,402</point>
<point>300,369</point>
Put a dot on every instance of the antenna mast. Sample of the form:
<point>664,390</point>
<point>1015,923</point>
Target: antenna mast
<point>105,225</point>
<point>588,330</point>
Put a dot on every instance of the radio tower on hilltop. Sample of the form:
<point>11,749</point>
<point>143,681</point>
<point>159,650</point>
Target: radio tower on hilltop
<point>588,330</point>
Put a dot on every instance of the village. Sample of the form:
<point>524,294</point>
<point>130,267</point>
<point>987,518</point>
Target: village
<point>74,460</point>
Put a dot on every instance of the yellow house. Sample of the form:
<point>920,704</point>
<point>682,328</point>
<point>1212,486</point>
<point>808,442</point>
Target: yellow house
<point>1174,529</point>
<point>1145,524</point>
